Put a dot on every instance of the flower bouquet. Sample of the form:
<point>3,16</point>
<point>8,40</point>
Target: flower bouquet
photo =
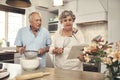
<point>112,61</point>
<point>95,50</point>
<point>100,51</point>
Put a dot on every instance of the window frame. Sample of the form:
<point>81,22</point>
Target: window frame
<point>7,27</point>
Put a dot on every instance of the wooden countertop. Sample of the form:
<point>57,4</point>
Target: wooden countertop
<point>60,74</point>
<point>55,74</point>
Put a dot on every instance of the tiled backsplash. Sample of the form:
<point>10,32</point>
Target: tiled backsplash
<point>90,31</point>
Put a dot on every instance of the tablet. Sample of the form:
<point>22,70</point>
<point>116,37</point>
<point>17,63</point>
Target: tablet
<point>75,51</point>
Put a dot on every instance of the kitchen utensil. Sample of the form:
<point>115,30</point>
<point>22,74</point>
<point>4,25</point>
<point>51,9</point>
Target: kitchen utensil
<point>30,54</point>
<point>30,64</point>
<point>31,76</point>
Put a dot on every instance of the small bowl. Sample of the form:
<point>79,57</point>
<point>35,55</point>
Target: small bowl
<point>30,54</point>
<point>30,64</point>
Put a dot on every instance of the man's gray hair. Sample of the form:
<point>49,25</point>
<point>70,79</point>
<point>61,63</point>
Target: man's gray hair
<point>30,15</point>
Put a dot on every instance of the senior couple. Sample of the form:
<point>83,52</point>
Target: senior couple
<point>36,38</point>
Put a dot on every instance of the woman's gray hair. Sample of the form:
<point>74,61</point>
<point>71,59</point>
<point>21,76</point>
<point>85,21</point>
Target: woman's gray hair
<point>66,13</point>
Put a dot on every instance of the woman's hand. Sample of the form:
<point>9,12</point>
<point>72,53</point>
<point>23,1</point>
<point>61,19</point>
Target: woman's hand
<point>58,50</point>
<point>81,57</point>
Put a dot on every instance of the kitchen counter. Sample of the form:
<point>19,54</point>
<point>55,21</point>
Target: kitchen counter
<point>7,50</point>
<point>56,74</point>
<point>60,74</point>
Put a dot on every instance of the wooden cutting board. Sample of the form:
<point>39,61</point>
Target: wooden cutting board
<point>31,76</point>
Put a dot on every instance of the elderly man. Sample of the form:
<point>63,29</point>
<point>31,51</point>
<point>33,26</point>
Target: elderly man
<point>34,37</point>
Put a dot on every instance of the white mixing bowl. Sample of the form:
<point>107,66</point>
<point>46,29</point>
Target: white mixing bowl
<point>30,64</point>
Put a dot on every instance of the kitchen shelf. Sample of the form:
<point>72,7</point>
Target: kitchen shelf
<point>91,23</point>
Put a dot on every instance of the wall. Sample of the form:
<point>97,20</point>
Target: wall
<point>114,20</point>
<point>90,31</point>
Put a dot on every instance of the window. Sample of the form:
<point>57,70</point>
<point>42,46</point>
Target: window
<point>14,24</point>
<point>2,24</point>
<point>10,23</point>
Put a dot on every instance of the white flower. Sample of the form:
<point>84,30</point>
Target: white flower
<point>87,58</point>
<point>109,50</point>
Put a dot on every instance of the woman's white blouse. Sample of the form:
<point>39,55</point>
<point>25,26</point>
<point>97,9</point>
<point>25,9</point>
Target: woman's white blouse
<point>61,61</point>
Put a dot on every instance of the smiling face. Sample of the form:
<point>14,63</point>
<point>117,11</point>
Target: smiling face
<point>35,21</point>
<point>67,22</point>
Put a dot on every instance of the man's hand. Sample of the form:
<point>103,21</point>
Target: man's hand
<point>43,50</point>
<point>21,49</point>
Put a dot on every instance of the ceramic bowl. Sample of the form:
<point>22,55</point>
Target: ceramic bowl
<point>30,54</point>
<point>30,64</point>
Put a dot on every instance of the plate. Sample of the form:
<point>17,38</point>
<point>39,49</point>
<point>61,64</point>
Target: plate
<point>4,75</point>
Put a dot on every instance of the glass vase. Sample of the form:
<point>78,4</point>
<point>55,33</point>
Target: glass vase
<point>114,73</point>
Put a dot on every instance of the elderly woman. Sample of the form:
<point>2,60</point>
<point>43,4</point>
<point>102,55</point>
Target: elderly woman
<point>63,40</point>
